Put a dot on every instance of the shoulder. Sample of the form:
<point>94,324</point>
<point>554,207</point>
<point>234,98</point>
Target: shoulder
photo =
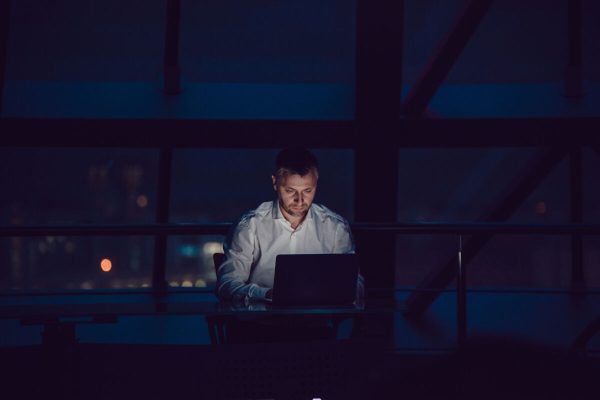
<point>245,227</point>
<point>326,215</point>
<point>252,216</point>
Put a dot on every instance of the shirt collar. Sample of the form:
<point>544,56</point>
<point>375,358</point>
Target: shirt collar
<point>277,214</point>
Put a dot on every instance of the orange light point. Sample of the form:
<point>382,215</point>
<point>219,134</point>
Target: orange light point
<point>106,265</point>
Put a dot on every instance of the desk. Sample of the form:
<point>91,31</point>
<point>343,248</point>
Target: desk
<point>268,323</point>
<point>62,354</point>
<point>68,311</point>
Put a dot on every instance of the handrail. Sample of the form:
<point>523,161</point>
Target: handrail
<point>419,228</point>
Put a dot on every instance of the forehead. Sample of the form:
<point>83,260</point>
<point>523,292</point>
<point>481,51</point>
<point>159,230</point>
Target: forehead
<point>295,180</point>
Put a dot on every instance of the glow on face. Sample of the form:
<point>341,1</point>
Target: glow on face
<point>296,193</point>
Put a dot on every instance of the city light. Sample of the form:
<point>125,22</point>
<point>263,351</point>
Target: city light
<point>212,247</point>
<point>106,265</point>
<point>200,283</point>
<point>69,247</point>
<point>87,285</point>
<point>540,208</point>
<point>142,201</point>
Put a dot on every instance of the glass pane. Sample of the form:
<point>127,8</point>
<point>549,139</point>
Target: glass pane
<point>218,185</point>
<point>522,261</point>
<point>293,41</point>
<point>83,58</point>
<point>467,184</point>
<point>76,186</point>
<point>50,186</point>
<point>591,189</point>
<point>84,40</point>
<point>515,261</point>
<point>418,255</point>
<point>190,260</point>
<point>591,261</point>
<point>513,65</point>
<point>290,59</point>
<point>515,42</point>
<point>75,263</point>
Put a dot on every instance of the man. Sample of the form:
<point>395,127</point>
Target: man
<point>291,224</point>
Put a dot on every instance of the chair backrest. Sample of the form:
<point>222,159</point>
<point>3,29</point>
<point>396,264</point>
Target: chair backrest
<point>218,259</point>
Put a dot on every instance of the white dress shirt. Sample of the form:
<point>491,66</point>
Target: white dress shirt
<point>263,233</point>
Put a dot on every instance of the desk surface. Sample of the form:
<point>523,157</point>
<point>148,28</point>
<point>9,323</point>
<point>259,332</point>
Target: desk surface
<point>89,307</point>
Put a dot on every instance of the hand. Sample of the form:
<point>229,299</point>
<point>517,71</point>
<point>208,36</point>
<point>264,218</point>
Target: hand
<point>269,294</point>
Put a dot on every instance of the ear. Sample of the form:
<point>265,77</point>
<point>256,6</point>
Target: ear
<point>274,182</point>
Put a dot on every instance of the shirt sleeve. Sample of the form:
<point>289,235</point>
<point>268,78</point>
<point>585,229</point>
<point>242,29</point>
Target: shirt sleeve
<point>234,272</point>
<point>344,243</point>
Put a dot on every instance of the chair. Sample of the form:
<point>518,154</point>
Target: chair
<point>218,259</point>
<point>217,324</point>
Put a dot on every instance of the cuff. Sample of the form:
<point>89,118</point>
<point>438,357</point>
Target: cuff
<point>257,292</point>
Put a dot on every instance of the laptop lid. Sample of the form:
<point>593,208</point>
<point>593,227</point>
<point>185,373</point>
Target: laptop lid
<point>315,280</point>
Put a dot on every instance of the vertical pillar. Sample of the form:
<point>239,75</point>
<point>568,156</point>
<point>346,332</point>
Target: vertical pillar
<point>172,72</point>
<point>573,86</point>
<point>378,89</point>
<point>461,298</point>
<point>576,183</point>
<point>159,283</point>
<point>4,32</point>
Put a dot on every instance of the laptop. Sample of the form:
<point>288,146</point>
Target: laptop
<point>308,280</point>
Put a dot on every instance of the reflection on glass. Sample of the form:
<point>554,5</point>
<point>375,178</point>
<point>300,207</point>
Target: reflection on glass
<point>75,263</point>
<point>190,260</point>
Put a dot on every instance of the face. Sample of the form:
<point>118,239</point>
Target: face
<point>296,193</point>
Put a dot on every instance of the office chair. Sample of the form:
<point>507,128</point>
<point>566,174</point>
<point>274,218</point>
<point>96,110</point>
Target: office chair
<point>218,259</point>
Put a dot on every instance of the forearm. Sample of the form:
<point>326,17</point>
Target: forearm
<point>236,290</point>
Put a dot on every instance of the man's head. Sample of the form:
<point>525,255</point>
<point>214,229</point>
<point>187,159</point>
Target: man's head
<point>295,180</point>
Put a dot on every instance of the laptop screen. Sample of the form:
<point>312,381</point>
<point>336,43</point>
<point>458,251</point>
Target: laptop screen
<point>315,280</point>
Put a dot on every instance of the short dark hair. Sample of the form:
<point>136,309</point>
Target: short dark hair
<point>295,160</point>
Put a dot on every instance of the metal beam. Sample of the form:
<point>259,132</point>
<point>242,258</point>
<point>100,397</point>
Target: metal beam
<point>4,34</point>
<point>576,186</point>
<point>581,341</point>
<point>159,283</point>
<point>379,30</point>
<point>438,278</point>
<point>423,228</point>
<point>444,57</point>
<point>379,27</point>
<point>461,297</point>
<point>430,133</point>
<point>172,72</point>
<point>573,80</point>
